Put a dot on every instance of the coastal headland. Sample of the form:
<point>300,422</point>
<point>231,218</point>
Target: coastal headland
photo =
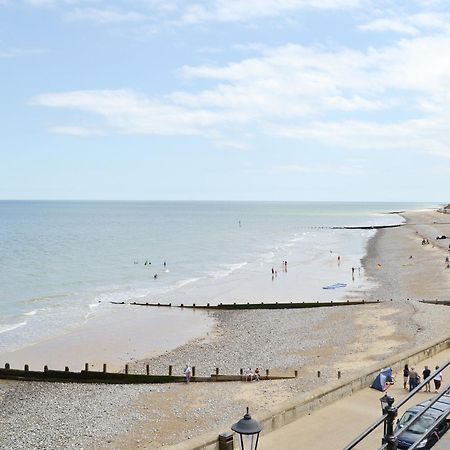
<point>401,270</point>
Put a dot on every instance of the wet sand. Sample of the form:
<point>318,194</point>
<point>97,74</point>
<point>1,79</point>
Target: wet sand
<point>123,335</point>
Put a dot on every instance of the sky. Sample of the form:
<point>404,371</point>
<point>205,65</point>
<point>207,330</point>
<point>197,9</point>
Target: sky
<point>285,100</point>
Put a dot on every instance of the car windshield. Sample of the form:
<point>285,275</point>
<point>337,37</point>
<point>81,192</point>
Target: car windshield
<point>420,426</point>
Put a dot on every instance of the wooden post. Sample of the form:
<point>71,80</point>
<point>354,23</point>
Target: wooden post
<point>7,366</point>
<point>296,373</point>
<point>45,368</point>
<point>318,374</point>
<point>170,371</point>
<point>126,369</point>
<point>104,368</point>
<point>66,369</point>
<point>339,374</point>
<point>217,371</point>
<point>147,369</point>
<point>193,371</point>
<point>86,367</point>
<point>26,368</point>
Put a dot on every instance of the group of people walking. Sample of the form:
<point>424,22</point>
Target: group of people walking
<point>412,379</point>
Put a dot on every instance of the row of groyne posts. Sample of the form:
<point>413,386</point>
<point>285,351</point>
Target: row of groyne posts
<point>260,305</point>
<point>126,377</point>
<point>275,305</point>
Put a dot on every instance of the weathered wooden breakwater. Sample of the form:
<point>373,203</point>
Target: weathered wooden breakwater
<point>248,305</point>
<point>436,302</point>
<point>90,376</point>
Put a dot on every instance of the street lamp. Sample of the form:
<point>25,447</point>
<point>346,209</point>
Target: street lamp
<point>248,431</point>
<point>388,408</point>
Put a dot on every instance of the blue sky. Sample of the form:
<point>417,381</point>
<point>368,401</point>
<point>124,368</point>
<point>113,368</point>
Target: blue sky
<point>226,100</point>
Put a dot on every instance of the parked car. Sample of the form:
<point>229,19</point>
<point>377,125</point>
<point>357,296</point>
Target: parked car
<point>426,422</point>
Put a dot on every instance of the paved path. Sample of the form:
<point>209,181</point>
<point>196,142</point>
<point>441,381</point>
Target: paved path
<point>335,425</point>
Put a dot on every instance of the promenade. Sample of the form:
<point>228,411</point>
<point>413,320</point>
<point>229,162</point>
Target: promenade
<point>335,425</point>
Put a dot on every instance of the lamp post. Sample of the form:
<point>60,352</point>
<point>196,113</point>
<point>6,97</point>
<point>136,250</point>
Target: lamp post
<point>248,431</point>
<point>387,406</point>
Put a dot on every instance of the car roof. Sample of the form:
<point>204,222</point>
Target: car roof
<point>443,405</point>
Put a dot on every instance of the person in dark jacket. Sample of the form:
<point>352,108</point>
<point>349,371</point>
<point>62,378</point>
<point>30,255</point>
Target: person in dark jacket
<point>405,376</point>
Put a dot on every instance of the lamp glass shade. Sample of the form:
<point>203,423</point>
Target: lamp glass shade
<point>248,441</point>
<point>248,432</point>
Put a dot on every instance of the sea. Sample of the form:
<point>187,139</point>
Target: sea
<point>64,262</point>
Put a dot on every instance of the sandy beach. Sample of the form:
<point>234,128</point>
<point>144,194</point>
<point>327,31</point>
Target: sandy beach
<point>398,267</point>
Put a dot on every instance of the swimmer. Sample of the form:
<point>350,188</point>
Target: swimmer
<point>155,276</point>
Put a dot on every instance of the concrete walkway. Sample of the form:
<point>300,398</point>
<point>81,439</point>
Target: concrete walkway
<point>336,425</point>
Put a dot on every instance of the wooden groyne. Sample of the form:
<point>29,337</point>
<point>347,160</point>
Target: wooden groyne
<point>436,302</point>
<point>369,227</point>
<point>105,377</point>
<point>262,305</point>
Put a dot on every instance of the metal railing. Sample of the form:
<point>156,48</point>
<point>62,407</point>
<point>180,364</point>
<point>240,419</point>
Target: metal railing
<point>390,412</point>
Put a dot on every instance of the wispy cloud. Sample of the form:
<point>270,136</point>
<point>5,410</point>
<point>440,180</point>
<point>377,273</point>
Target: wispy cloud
<point>178,12</point>
<point>105,15</point>
<point>340,169</point>
<point>231,11</point>
<point>409,24</point>
<point>14,52</point>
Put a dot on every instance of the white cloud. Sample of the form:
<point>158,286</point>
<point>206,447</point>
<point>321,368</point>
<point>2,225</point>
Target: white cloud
<point>344,169</point>
<point>177,12</point>
<point>76,131</point>
<point>395,97</point>
<point>103,16</point>
<point>243,10</point>
<point>13,52</point>
<point>411,24</point>
<point>398,26</point>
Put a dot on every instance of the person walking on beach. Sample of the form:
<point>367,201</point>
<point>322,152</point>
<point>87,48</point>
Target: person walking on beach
<point>437,380</point>
<point>414,379</point>
<point>405,376</point>
<point>187,373</point>
<point>426,373</point>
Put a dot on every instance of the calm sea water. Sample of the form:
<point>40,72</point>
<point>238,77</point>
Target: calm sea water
<point>60,262</point>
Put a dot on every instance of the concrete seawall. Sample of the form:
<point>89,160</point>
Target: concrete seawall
<point>290,411</point>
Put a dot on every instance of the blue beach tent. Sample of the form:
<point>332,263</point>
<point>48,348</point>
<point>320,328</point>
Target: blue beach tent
<point>385,376</point>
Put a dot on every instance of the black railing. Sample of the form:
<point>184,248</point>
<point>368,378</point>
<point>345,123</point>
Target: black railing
<point>389,442</point>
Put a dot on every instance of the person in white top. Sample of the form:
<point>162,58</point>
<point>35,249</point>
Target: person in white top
<point>437,380</point>
<point>249,374</point>
<point>188,373</point>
